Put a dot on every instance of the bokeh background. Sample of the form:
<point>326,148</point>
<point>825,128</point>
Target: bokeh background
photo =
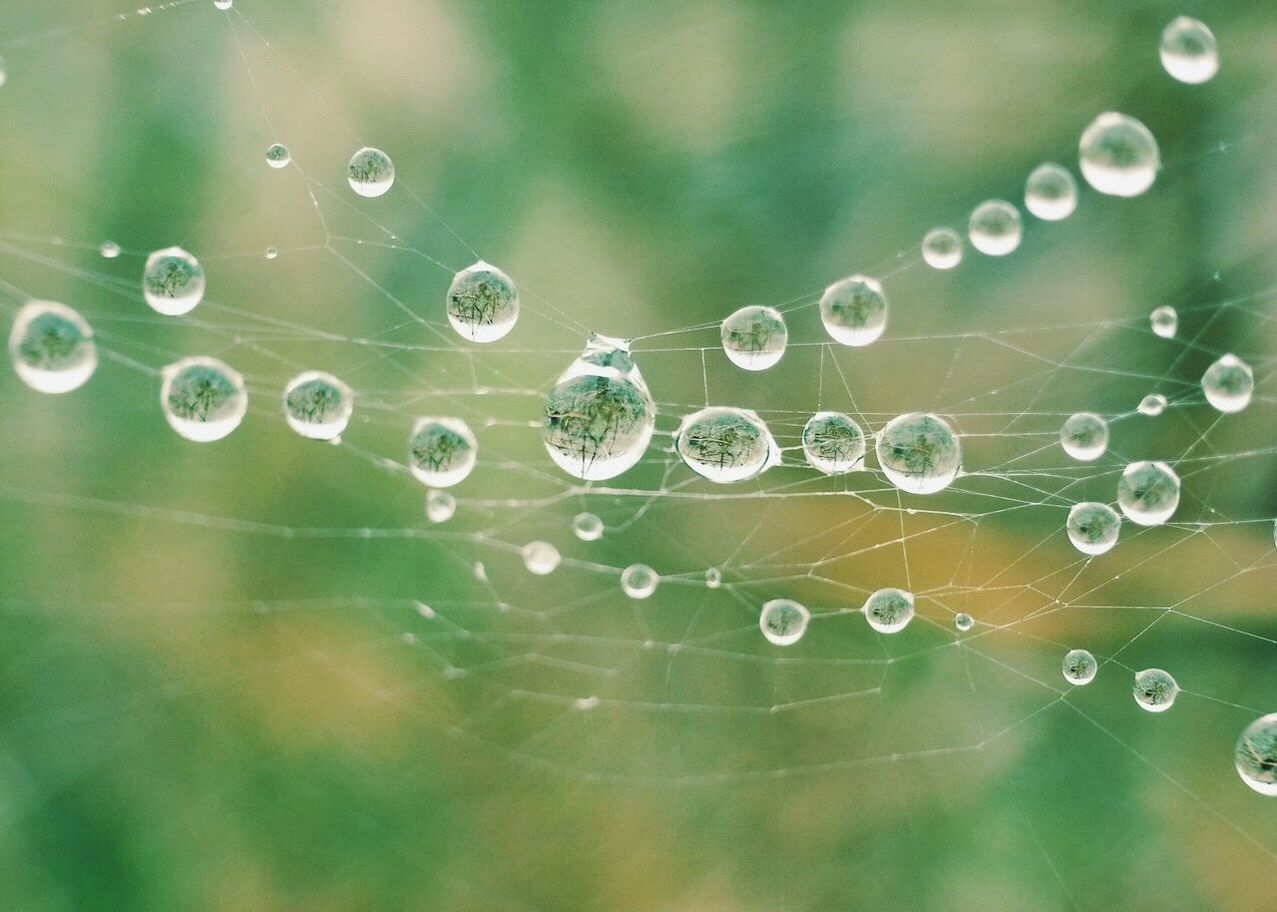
<point>218,687</point>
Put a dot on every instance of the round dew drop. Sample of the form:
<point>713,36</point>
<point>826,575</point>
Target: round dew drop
<point>942,248</point>
<point>1189,51</point>
<point>587,527</point>
<point>726,445</point>
<point>1050,193</point>
<point>599,417</point>
<point>783,621</point>
<point>318,405</point>
<point>995,228</point>
<point>109,250</point>
<point>52,347</point>
<point>1152,405</point>
<point>963,622</point>
<point>540,557</point>
<point>223,4</point>
<point>1155,690</point>
<point>919,453</point>
<point>278,156</point>
<point>713,578</point>
<point>272,253</point>
<point>833,443</point>
<point>1164,321</point>
<point>1256,755</point>
<point>1085,436</point>
<point>889,610</point>
<point>370,173</point>
<point>1228,384</point>
<point>754,338</point>
<point>441,451</point>
<point>1093,527</point>
<point>483,303</point>
<point>1148,493</point>
<point>1079,667</point>
<point>203,399</point>
<point>639,581</point>
<point>173,282</point>
<point>440,506</point>
<point>1118,155</point>
<point>854,310</point>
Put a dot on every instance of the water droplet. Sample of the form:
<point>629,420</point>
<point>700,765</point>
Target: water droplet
<point>713,578</point>
<point>52,347</point>
<point>639,581</point>
<point>540,557</point>
<point>203,398</point>
<point>1256,755</point>
<point>726,445</point>
<point>1165,321</point>
<point>440,506</point>
<point>370,172</point>
<point>942,248</point>
<point>963,622</point>
<point>1093,527</point>
<point>889,610</point>
<point>919,453</point>
<point>599,416</point>
<point>109,250</point>
<point>1148,493</point>
<point>173,281</point>
<point>223,4</point>
<point>587,527</point>
<point>441,451</point>
<point>483,303</point>
<point>995,228</point>
<point>318,405</point>
<point>1050,193</point>
<point>278,156</point>
<point>1085,436</point>
<point>1155,690</point>
<point>783,621</point>
<point>754,337</point>
<point>854,310</point>
<point>833,443</point>
<point>272,253</point>
<point>1080,667</point>
<point>1189,51</point>
<point>1229,384</point>
<point>1118,155</point>
<point>1152,405</point>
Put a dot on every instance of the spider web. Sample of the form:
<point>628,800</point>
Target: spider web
<point>269,636</point>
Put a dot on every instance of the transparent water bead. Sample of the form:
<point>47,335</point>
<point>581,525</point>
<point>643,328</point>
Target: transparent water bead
<point>889,610</point>
<point>995,228</point>
<point>4,72</point>
<point>272,253</point>
<point>370,172</point>
<point>854,310</point>
<point>1050,193</point>
<point>318,405</point>
<point>441,451</point>
<point>1256,755</point>
<point>1164,321</point>
<point>223,4</point>
<point>639,581</point>
<point>1152,405</point>
<point>1228,384</point>
<point>540,557</point>
<point>713,578</point>
<point>754,338</point>
<point>587,527</point>
<point>833,443</point>
<point>783,621</point>
<point>599,416</point>
<point>173,282</point>
<point>483,303</point>
<point>109,250</point>
<point>440,506</point>
<point>919,453</point>
<point>1085,436</point>
<point>1155,690</point>
<point>203,398</point>
<point>1093,527</point>
<point>942,248</point>
<point>1080,667</point>
<point>1189,51</point>
<point>52,347</point>
<point>726,445</point>
<point>278,156</point>
<point>1148,493</point>
<point>962,622</point>
<point>1118,155</point>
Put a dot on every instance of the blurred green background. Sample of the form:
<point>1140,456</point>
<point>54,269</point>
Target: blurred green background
<point>218,687</point>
